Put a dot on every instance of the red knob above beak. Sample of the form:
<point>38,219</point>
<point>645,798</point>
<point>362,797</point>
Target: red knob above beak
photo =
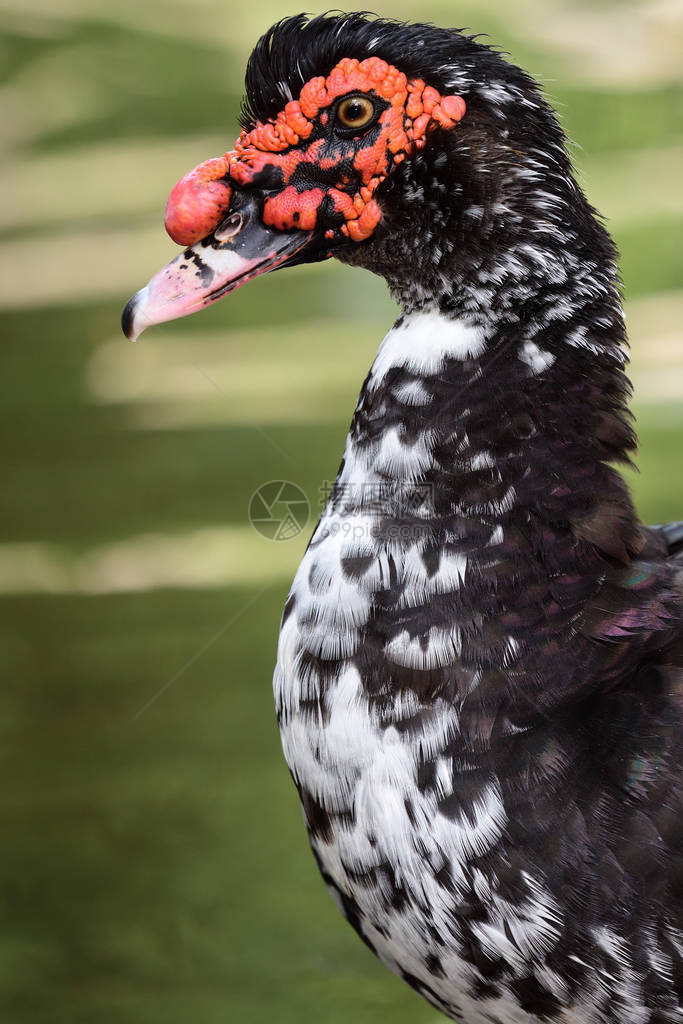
<point>198,202</point>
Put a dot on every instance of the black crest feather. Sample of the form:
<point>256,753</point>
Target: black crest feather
<point>297,49</point>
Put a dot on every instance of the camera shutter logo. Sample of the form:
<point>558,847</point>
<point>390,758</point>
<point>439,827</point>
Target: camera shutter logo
<point>279,510</point>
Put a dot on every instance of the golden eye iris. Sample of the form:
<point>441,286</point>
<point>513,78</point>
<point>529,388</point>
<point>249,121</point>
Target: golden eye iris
<point>356,111</point>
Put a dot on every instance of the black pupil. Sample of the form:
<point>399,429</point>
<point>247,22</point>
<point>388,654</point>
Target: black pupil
<point>355,110</point>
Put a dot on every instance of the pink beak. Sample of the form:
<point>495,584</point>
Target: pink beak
<point>241,248</point>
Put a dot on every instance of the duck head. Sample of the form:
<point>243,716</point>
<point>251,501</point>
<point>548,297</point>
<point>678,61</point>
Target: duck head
<point>364,139</point>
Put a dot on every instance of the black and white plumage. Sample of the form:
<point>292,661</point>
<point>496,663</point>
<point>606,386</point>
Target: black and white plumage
<point>479,676</point>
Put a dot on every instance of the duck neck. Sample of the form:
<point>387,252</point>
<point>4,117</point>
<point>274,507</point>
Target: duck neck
<point>498,422</point>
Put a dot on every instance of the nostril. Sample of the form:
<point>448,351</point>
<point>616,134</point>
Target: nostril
<point>228,228</point>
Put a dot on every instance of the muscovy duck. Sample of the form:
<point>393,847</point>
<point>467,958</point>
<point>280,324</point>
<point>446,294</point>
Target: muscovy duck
<point>479,672</point>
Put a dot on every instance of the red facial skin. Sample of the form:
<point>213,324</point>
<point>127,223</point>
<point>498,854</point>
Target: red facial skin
<point>200,200</point>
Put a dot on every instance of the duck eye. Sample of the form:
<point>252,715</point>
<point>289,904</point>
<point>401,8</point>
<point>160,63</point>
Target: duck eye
<point>355,112</point>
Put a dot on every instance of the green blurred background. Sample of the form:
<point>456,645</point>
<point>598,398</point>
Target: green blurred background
<point>154,857</point>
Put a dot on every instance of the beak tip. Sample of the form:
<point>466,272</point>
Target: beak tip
<point>130,328</point>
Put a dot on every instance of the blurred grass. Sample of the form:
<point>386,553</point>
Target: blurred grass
<point>158,870</point>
